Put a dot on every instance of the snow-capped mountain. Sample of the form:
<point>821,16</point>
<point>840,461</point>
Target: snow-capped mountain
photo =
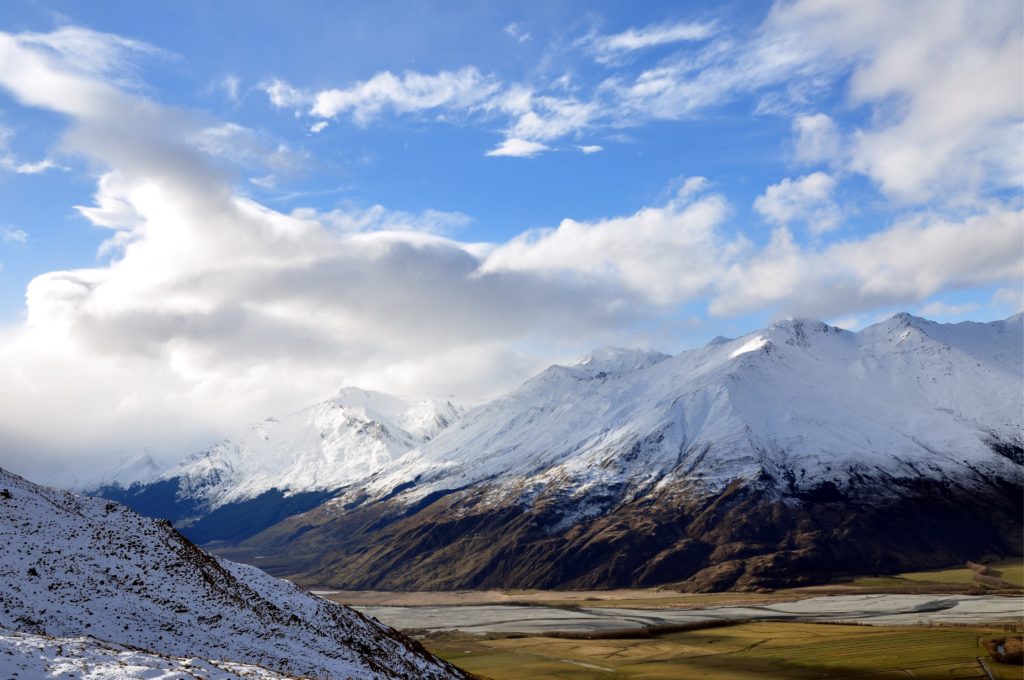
<point>285,465</point>
<point>798,397</point>
<point>139,468</point>
<point>87,585</point>
<point>788,445</point>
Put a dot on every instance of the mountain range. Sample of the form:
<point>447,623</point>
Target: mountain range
<point>781,457</point>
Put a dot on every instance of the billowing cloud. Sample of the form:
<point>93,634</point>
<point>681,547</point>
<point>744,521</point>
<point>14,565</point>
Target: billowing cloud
<point>209,307</point>
<point>817,139</point>
<point>214,308</point>
<point>283,95</point>
<point>947,113</point>
<point>807,199</point>
<point>946,122</point>
<point>908,262</point>
<point>667,254</point>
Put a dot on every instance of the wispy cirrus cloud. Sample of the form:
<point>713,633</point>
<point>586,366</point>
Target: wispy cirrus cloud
<point>516,32</point>
<point>406,93</point>
<point>609,48</point>
<point>515,147</point>
<point>936,143</point>
<point>10,163</point>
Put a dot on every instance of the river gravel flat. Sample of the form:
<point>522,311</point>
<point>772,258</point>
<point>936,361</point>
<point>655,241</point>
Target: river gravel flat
<point>877,609</point>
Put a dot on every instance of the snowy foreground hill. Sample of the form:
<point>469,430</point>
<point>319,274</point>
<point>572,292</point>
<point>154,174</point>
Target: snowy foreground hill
<point>781,457</point>
<point>89,588</point>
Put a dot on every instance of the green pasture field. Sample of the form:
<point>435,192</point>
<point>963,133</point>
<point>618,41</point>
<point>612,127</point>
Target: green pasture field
<point>747,651</point>
<point>1011,571</point>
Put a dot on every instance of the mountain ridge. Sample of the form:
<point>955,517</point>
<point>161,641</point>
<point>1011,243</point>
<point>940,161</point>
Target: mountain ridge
<point>75,566</point>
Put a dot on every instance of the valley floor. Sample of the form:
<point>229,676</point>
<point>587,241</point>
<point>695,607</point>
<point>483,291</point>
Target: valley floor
<point>747,651</point>
<point>913,625</point>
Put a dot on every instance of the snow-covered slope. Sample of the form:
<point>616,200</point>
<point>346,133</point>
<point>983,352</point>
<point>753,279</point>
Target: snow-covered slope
<point>285,465</point>
<point>75,566</point>
<point>798,400</point>
<point>138,468</point>
<point>327,446</point>
<point>798,444</point>
<point>24,656</point>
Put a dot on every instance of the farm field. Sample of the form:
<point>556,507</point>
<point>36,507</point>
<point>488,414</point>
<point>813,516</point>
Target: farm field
<point>754,650</point>
<point>952,579</point>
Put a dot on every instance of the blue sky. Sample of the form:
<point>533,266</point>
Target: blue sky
<point>207,200</point>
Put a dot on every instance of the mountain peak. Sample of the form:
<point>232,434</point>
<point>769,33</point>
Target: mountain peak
<point>618,359</point>
<point>907,319</point>
<point>797,331</point>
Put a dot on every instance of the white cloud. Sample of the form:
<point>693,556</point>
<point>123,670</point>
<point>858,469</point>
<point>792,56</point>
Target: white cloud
<point>518,148</point>
<point>10,163</point>
<point>817,139</point>
<point>590,148</point>
<point>214,309</point>
<point>318,127</point>
<point>937,75</point>
<point>607,48</point>
<point>265,182</point>
<point>908,262</point>
<point>409,92</point>
<point>351,218</point>
<point>807,199</point>
<point>944,123</point>
<point>88,52</point>
<point>230,85</point>
<point>11,234</point>
<point>516,32</point>
<point>283,96</point>
<point>536,119</point>
<point>245,146</point>
<point>545,118</point>
<point>941,123</point>
<point>667,254</point>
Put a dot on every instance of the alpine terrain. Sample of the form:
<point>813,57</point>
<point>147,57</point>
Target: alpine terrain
<point>88,587</point>
<point>782,457</point>
<point>282,466</point>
